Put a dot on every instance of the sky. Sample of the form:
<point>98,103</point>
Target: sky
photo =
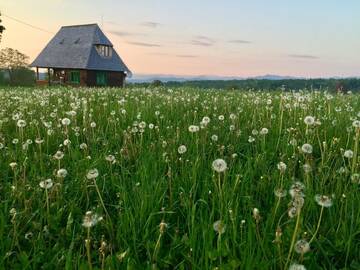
<point>307,38</point>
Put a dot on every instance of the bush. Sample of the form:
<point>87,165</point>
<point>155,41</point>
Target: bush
<point>18,77</point>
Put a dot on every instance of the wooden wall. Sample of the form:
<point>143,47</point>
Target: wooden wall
<point>113,78</point>
<point>88,78</point>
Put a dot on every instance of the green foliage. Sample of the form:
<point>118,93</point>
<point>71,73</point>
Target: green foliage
<point>22,77</point>
<point>14,63</point>
<point>162,208</point>
<point>156,83</point>
<point>2,28</point>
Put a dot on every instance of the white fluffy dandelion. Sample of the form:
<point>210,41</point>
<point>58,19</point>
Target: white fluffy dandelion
<point>219,227</point>
<point>92,174</point>
<point>193,128</point>
<point>46,184</point>
<point>219,165</point>
<point>307,148</point>
<point>65,121</point>
<point>309,120</point>
<point>323,200</point>
<point>182,149</point>
<point>91,219</point>
<point>348,154</point>
<point>302,246</point>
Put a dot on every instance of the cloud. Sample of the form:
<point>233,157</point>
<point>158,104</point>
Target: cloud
<point>143,44</point>
<point>124,33</point>
<point>239,41</point>
<point>186,56</point>
<point>202,41</point>
<point>303,56</point>
<point>150,24</point>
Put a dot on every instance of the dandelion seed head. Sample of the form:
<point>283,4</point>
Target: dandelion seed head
<point>65,121</point>
<point>296,266</point>
<point>307,148</point>
<point>91,219</point>
<point>309,120</point>
<point>21,123</point>
<point>92,174</point>
<point>219,227</point>
<point>61,173</point>
<point>323,200</point>
<point>219,165</point>
<point>182,149</point>
<point>46,184</point>
<point>302,246</point>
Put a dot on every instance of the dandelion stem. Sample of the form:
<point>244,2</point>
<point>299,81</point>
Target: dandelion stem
<point>353,167</point>
<point>88,248</point>
<point>293,238</point>
<point>318,225</point>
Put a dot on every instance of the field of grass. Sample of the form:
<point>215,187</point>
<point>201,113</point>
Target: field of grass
<point>178,179</point>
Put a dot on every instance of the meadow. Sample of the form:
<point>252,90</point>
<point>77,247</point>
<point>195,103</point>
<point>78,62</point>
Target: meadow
<point>159,178</point>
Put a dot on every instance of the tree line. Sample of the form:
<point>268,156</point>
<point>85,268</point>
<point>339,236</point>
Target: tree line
<point>331,84</point>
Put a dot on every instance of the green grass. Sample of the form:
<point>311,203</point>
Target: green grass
<point>158,207</point>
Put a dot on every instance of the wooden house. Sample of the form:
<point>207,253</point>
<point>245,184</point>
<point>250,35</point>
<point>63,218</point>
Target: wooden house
<point>81,55</point>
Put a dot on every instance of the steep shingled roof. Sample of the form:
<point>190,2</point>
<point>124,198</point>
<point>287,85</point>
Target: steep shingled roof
<point>74,47</point>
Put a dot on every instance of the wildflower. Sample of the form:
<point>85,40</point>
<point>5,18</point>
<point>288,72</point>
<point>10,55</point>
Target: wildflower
<point>281,167</point>
<point>348,154</point>
<point>182,149</point>
<point>67,142</point>
<point>297,189</point>
<point>83,146</point>
<point>307,148</point>
<point>13,165</point>
<point>205,120</point>
<point>302,246</point>
<point>307,168</point>
<point>280,193</point>
<point>93,124</point>
<point>356,124</point>
<point>59,155</point>
<point>92,174</point>
<point>214,138</point>
<point>46,184</point>
<point>21,123</point>
<point>309,120</point>
<point>193,128</point>
<point>264,131</point>
<point>219,227</point>
<point>39,141</point>
<point>61,173</point>
<point>251,139</point>
<point>219,165</point>
<point>323,200</point>
<point>65,121</point>
<point>110,158</point>
<point>298,202</point>
<point>256,215</point>
<point>28,235</point>
<point>355,178</point>
<point>296,266</point>
<point>91,219</point>
<point>221,117</point>
<point>162,227</point>
<point>292,212</point>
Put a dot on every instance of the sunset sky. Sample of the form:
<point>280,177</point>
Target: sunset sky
<point>204,37</point>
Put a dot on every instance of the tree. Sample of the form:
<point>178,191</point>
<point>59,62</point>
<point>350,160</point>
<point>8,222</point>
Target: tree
<point>12,60</point>
<point>2,28</point>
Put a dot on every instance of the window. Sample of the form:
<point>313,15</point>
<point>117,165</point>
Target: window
<point>101,78</point>
<point>104,51</point>
<point>75,76</point>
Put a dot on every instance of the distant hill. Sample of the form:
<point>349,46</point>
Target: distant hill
<point>145,78</point>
